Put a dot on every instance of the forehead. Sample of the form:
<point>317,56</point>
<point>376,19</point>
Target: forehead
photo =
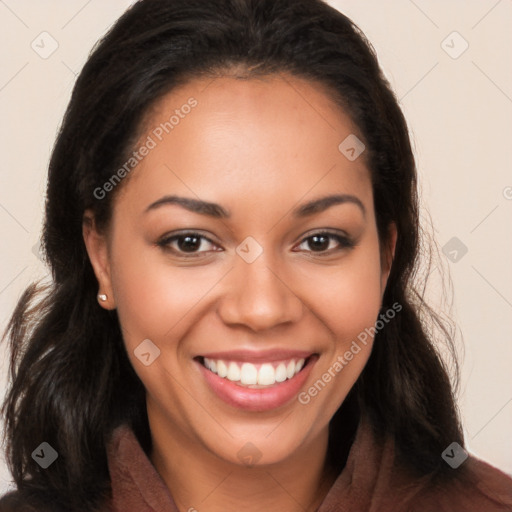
<point>270,140</point>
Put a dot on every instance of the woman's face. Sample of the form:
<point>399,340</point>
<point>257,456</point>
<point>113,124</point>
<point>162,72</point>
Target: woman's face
<point>268,278</point>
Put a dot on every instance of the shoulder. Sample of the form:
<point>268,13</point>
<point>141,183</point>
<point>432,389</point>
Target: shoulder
<point>15,502</point>
<point>476,487</point>
<point>12,502</point>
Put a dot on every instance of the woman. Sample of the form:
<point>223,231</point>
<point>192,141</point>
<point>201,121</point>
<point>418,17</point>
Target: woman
<point>232,228</point>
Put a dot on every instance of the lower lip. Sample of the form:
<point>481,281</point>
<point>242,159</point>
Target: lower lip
<point>251,399</point>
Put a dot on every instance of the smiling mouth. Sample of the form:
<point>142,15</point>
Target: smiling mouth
<point>255,376</point>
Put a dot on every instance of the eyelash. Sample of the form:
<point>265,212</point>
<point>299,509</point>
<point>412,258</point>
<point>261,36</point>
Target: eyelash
<point>164,243</point>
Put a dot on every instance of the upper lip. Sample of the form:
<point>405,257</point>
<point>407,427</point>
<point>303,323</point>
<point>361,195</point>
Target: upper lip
<point>258,356</point>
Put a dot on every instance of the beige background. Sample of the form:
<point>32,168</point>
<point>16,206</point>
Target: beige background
<point>459,111</point>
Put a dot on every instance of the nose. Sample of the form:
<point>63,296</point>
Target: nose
<point>258,297</point>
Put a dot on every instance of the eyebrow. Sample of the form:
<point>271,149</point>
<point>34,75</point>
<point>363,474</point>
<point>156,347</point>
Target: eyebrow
<point>217,211</point>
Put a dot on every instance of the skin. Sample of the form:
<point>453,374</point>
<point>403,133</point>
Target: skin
<point>259,148</point>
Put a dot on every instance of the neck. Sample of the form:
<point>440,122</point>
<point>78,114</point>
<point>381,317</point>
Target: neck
<point>199,480</point>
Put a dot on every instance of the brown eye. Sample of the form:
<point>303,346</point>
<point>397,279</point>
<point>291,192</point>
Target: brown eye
<point>321,242</point>
<point>187,244</point>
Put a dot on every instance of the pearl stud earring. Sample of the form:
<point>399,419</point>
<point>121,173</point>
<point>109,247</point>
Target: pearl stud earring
<point>102,297</point>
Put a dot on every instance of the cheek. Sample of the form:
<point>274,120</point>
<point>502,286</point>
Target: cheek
<point>153,297</point>
<point>354,300</point>
<point>350,304</point>
<point>348,298</point>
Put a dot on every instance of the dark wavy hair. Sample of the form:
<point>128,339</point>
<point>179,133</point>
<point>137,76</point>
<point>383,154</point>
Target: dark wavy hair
<point>71,380</point>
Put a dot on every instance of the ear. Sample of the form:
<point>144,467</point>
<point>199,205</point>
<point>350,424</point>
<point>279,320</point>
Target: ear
<point>387,256</point>
<point>96,244</point>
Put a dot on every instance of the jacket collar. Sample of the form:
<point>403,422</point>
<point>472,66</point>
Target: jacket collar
<point>136,485</point>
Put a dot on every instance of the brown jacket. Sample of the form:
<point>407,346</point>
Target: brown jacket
<point>370,482</point>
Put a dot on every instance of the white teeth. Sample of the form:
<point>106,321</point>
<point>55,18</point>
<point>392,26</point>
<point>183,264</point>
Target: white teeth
<point>281,373</point>
<point>290,369</point>
<point>266,375</point>
<point>249,374</point>
<point>233,372</point>
<point>222,369</point>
